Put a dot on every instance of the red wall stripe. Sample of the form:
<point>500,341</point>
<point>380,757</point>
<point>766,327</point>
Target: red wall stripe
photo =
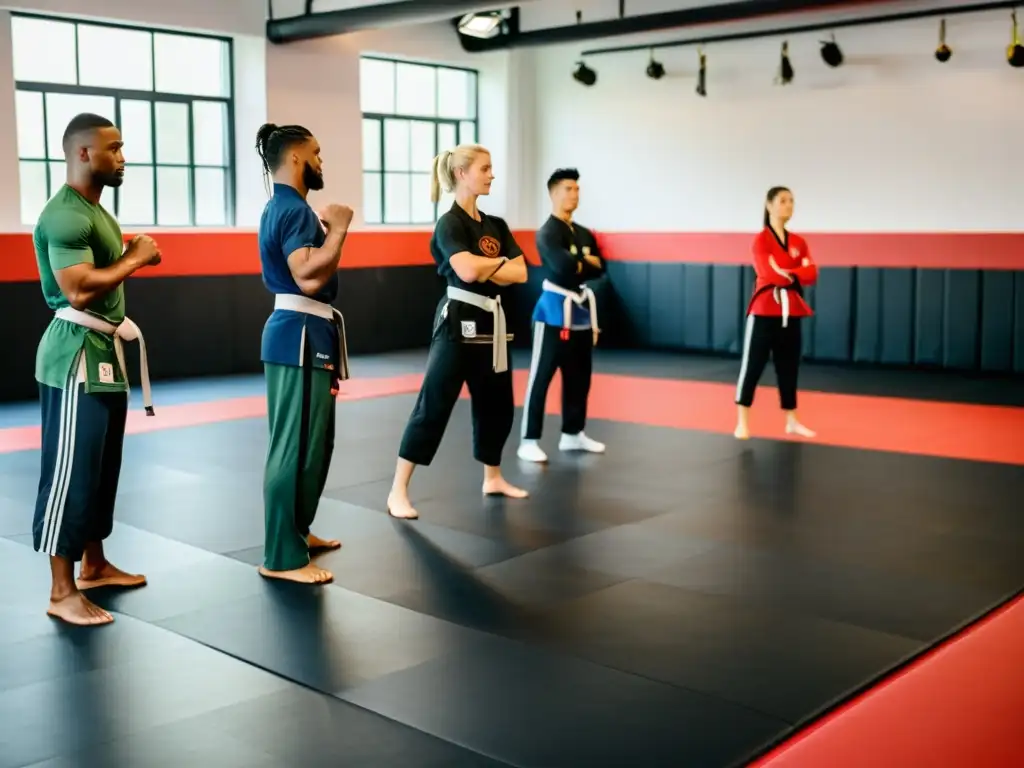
<point>236,253</point>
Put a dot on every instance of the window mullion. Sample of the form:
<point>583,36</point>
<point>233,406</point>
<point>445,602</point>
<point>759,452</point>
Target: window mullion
<point>395,115</point>
<point>75,91</point>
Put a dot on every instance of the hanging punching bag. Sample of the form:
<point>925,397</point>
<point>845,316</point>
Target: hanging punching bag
<point>785,66</point>
<point>1015,51</point>
<point>943,52</point>
<point>702,75</point>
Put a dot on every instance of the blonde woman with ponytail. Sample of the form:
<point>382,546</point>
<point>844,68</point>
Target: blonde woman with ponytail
<point>478,257</point>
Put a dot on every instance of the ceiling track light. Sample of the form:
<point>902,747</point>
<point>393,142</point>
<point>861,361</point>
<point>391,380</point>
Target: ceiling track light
<point>483,25</point>
<point>584,74</point>
<point>655,70</point>
<point>1015,51</point>
<point>943,52</point>
<point>785,76</point>
<point>702,74</point>
<point>831,53</point>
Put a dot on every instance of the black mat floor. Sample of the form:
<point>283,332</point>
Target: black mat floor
<point>683,600</point>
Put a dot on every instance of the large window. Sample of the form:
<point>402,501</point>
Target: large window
<point>169,93</point>
<point>410,113</point>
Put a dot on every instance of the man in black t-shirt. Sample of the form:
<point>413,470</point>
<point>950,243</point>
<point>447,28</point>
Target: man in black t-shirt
<point>565,326</point>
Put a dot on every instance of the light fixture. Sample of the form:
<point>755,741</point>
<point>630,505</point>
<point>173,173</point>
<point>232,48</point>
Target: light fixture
<point>1015,51</point>
<point>702,74</point>
<point>482,25</point>
<point>831,53</point>
<point>584,74</point>
<point>655,70</point>
<point>943,52</point>
<point>785,66</point>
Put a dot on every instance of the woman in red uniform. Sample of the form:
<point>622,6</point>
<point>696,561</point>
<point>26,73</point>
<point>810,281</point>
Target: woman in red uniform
<point>783,266</point>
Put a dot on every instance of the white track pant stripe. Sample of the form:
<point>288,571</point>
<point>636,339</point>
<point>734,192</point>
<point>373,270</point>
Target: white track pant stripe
<point>538,347</point>
<point>54,515</point>
<point>748,334</point>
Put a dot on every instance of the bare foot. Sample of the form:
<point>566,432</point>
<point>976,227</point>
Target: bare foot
<point>77,610</point>
<point>400,507</point>
<point>796,428</point>
<point>307,574</point>
<point>315,543</point>
<point>499,486</point>
<point>107,575</point>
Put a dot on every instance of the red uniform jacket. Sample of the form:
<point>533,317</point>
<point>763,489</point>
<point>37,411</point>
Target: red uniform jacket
<point>777,294</point>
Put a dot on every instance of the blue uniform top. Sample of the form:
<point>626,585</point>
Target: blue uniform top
<point>294,338</point>
<point>562,247</point>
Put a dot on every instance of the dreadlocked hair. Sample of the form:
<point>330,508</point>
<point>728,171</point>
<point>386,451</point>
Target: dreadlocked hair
<point>272,141</point>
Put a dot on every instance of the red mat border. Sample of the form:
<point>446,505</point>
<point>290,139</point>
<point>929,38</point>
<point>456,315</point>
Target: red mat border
<point>775,753</point>
<point>897,425</point>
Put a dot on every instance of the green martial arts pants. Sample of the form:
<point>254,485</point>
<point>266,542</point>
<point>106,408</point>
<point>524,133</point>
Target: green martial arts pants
<point>301,410</point>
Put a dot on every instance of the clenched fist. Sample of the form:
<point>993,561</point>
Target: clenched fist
<point>336,216</point>
<point>146,249</point>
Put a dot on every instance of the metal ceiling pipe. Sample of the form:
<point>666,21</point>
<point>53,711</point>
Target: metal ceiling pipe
<point>651,22</point>
<point>817,26</point>
<point>309,26</point>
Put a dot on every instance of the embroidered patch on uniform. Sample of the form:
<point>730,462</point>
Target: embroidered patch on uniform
<point>586,250</point>
<point>794,252</point>
<point>106,373</point>
<point>489,246</point>
<point>469,329</point>
<point>572,249</point>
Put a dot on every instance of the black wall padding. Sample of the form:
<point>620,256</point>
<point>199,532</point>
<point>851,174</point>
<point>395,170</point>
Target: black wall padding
<point>665,314</point>
<point>1018,322</point>
<point>833,303</point>
<point>928,314</point>
<point>726,322</point>
<point>211,326</point>
<point>997,288</point>
<point>956,319</point>
<point>867,339</point>
<point>961,319</point>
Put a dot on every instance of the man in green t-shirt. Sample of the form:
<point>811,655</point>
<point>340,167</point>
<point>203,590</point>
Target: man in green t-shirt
<point>83,389</point>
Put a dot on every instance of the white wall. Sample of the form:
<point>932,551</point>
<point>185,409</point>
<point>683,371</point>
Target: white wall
<point>892,141</point>
<point>315,83</point>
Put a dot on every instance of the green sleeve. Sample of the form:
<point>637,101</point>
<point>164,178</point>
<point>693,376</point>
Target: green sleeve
<point>67,239</point>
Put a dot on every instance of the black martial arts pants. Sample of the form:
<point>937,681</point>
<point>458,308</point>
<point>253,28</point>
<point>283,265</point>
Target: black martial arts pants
<point>82,439</point>
<point>451,364</point>
<point>766,337</point>
<point>574,358</point>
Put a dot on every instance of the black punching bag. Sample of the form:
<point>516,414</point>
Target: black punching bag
<point>943,52</point>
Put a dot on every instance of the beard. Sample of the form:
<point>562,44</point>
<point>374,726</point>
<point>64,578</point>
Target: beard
<point>312,179</point>
<point>113,179</point>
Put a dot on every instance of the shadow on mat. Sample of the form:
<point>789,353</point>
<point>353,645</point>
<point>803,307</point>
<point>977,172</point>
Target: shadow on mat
<point>452,592</point>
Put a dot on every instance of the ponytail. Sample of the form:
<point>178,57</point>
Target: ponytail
<point>767,218</point>
<point>441,178</point>
<point>272,141</point>
<point>445,164</point>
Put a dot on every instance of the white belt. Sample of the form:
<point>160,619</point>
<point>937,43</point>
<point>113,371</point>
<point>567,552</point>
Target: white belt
<point>125,331</point>
<point>782,297</point>
<point>499,343</point>
<point>307,306</point>
<point>579,299</point>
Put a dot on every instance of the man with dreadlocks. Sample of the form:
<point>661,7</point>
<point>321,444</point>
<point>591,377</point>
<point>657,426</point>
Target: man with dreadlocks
<point>303,352</point>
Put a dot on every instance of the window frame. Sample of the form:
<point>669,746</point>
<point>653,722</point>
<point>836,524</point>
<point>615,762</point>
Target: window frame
<point>435,120</point>
<point>152,97</point>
